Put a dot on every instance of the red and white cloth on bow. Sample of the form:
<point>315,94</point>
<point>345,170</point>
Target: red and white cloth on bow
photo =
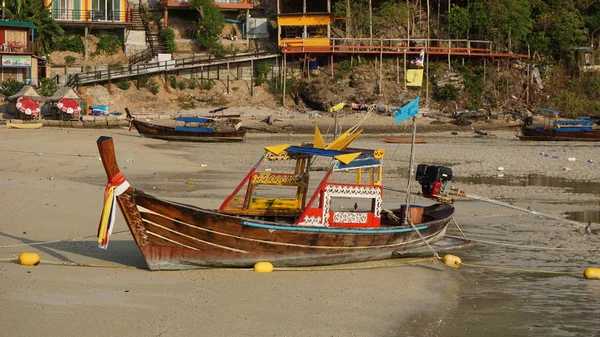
<point>69,106</point>
<point>28,106</point>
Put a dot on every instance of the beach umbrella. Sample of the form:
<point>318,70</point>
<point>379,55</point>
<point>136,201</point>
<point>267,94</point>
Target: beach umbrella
<point>28,106</point>
<point>69,106</point>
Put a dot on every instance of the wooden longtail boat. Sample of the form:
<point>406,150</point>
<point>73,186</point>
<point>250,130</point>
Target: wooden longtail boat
<point>207,133</point>
<point>249,227</point>
<point>580,129</point>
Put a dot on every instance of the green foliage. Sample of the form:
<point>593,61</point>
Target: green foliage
<point>391,15</point>
<point>571,104</point>
<point>47,87</point>
<point>115,66</point>
<point>144,81</point>
<point>592,87</point>
<point>10,87</point>
<point>359,20</point>
<point>459,21</point>
<point>447,93</point>
<point>181,85</point>
<point>561,31</point>
<point>210,26</point>
<point>261,69</point>
<point>510,21</point>
<point>193,83</point>
<point>187,104</point>
<point>153,87</point>
<point>36,12</point>
<point>108,44</point>
<point>70,60</point>
<point>168,35</point>
<point>173,82</point>
<point>123,84</point>
<point>208,84</point>
<point>69,43</point>
<point>88,68</point>
<point>474,86</point>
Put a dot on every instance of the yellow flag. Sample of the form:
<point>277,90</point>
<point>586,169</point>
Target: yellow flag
<point>414,77</point>
<point>337,107</point>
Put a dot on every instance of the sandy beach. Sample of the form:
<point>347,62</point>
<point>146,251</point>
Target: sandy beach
<point>51,187</point>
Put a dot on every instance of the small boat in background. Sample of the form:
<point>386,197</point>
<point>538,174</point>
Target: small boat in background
<point>579,129</point>
<point>205,130</point>
<point>23,125</point>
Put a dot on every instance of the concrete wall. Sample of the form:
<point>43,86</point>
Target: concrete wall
<point>135,41</point>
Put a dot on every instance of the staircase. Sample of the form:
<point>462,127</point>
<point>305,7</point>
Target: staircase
<point>136,22</point>
<point>156,44</point>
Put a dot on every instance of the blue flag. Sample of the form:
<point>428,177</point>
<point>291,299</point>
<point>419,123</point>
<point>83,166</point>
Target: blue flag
<point>409,110</point>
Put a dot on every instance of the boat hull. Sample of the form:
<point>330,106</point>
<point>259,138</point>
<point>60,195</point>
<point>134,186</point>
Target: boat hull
<point>174,236</point>
<point>169,133</point>
<point>530,134</point>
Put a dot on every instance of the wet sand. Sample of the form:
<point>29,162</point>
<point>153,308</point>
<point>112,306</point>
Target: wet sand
<point>57,195</point>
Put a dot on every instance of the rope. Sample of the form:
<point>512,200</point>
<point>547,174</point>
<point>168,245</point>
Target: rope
<point>498,243</point>
<point>395,263</point>
<point>54,241</point>
<point>520,269</point>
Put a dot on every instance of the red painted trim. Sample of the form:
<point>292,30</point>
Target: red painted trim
<point>239,187</point>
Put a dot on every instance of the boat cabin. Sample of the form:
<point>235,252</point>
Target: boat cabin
<point>580,124</point>
<point>328,205</point>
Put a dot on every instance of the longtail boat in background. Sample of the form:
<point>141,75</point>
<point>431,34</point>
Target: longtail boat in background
<point>272,216</point>
<point>205,129</point>
<point>578,129</point>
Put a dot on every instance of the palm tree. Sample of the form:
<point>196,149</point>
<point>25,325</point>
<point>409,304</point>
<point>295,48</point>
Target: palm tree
<point>37,13</point>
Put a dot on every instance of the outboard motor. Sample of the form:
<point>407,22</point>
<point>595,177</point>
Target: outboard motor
<point>433,179</point>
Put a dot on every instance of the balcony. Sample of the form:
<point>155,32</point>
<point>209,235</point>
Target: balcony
<point>13,47</point>
<point>76,15</point>
<point>222,4</point>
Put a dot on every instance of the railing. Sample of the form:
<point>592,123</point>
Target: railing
<point>448,47</point>
<point>171,65</point>
<point>217,2</point>
<point>12,47</point>
<point>76,15</point>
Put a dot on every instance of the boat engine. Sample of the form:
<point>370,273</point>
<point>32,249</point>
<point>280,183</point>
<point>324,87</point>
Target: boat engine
<point>433,179</point>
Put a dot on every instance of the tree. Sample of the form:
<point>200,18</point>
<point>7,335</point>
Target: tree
<point>37,13</point>
<point>510,21</point>
<point>210,25</point>
<point>459,22</point>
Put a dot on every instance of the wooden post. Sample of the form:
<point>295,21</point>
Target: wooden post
<point>227,84</point>
<point>85,43</point>
<point>138,78</point>
<point>380,65</point>
<point>283,61</point>
<point>397,69</point>
<point>332,70</point>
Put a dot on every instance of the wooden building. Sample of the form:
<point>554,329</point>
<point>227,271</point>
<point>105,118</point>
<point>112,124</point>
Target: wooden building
<point>17,49</point>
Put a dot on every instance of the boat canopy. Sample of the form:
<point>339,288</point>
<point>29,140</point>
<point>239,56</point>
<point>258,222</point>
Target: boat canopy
<point>320,210</point>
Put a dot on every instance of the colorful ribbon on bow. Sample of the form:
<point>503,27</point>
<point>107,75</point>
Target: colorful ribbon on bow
<point>115,187</point>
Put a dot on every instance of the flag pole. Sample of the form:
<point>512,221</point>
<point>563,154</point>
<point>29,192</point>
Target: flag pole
<point>410,169</point>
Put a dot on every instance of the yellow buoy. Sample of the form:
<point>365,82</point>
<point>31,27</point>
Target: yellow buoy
<point>452,261</point>
<point>263,267</point>
<point>592,273</point>
<point>29,259</point>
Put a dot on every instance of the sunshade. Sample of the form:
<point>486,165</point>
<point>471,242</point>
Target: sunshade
<point>69,106</point>
<point>28,106</point>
